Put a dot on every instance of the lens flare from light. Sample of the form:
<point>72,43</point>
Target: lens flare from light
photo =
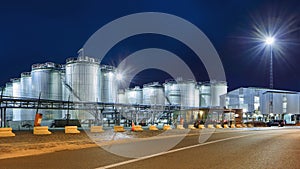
<point>269,40</point>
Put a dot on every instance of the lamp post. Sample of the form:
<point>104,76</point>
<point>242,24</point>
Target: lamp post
<point>269,41</point>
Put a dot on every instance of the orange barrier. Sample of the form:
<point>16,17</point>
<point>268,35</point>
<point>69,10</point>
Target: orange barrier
<point>190,126</point>
<point>210,126</point>
<point>119,129</point>
<point>201,126</point>
<point>41,130</point>
<point>71,130</point>
<point>138,128</point>
<point>96,129</point>
<point>153,128</point>
<point>180,127</point>
<point>6,132</point>
<point>218,126</point>
<point>167,127</point>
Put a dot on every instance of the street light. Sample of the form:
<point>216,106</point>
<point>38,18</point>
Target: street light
<point>269,41</point>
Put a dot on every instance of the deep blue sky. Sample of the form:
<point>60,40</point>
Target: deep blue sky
<point>41,31</point>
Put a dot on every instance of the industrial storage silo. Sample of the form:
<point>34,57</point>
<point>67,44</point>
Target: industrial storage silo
<point>121,97</point>
<point>205,95</point>
<point>172,93</point>
<point>82,79</point>
<point>134,96</point>
<point>16,92</point>
<point>108,84</point>
<point>8,92</point>
<point>218,88</point>
<point>26,85</point>
<point>153,94</point>
<point>8,89</point>
<point>197,96</point>
<point>46,83</point>
<point>181,92</point>
<point>26,92</point>
<point>187,89</point>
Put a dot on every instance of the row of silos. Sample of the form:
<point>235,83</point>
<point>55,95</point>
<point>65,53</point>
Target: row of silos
<point>186,93</point>
<point>80,79</point>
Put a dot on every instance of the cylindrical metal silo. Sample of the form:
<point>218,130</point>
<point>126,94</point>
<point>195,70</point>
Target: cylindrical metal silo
<point>16,92</point>
<point>121,97</point>
<point>26,85</point>
<point>153,94</point>
<point>134,96</point>
<point>82,79</point>
<point>218,88</point>
<point>26,92</point>
<point>197,96</point>
<point>8,92</point>
<point>205,95</point>
<point>108,84</point>
<point>172,92</point>
<point>187,89</point>
<point>46,82</point>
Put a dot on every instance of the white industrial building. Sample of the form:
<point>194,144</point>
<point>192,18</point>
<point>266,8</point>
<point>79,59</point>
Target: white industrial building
<point>264,104</point>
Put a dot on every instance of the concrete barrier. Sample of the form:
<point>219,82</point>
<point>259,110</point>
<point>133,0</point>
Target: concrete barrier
<point>190,126</point>
<point>138,128</point>
<point>250,125</point>
<point>210,126</point>
<point>41,130</point>
<point>180,127</point>
<point>96,129</point>
<point>218,126</point>
<point>232,126</point>
<point>239,126</point>
<point>167,127</point>
<point>119,129</point>
<point>201,126</point>
<point>226,126</point>
<point>6,132</point>
<point>153,128</point>
<point>71,130</point>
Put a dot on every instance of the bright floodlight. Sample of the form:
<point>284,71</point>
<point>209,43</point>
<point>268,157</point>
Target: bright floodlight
<point>119,76</point>
<point>269,40</point>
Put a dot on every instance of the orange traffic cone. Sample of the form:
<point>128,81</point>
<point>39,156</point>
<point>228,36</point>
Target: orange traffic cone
<point>132,126</point>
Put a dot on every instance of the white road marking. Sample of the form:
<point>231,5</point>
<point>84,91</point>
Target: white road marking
<point>171,151</point>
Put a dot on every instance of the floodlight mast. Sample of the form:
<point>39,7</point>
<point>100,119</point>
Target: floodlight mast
<point>270,41</point>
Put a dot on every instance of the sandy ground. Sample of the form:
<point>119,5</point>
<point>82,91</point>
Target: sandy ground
<point>25,143</point>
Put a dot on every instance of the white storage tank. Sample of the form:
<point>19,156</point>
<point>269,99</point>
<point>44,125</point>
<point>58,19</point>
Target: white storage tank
<point>134,96</point>
<point>153,94</point>
<point>121,97</point>
<point>218,88</point>
<point>187,89</point>
<point>172,92</point>
<point>82,79</point>
<point>205,95</point>
<point>16,93</point>
<point>108,84</point>
<point>26,92</point>
<point>47,83</point>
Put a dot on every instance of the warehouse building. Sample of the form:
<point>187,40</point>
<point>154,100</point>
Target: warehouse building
<point>262,104</point>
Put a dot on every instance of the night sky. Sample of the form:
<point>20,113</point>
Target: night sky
<point>42,31</point>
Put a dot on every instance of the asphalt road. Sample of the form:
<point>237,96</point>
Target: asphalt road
<point>254,148</point>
